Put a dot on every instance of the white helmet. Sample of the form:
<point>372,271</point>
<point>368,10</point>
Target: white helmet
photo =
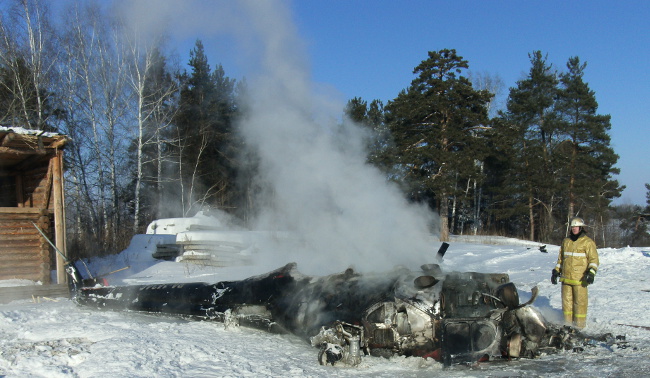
<point>577,222</point>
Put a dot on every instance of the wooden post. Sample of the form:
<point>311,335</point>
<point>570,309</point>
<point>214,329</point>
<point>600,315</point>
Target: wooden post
<point>59,216</point>
<point>20,198</point>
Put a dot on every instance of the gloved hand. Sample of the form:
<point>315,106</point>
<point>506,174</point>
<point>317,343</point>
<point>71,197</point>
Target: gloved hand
<point>554,275</point>
<point>588,278</point>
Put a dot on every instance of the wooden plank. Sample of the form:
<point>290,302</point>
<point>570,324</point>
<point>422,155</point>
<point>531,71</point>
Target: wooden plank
<point>19,210</point>
<point>18,221</point>
<point>12,227</point>
<point>9,246</point>
<point>24,251</point>
<point>5,257</point>
<point>10,266</point>
<point>19,237</point>
<point>34,243</point>
<point>18,231</point>
<point>8,294</point>
<point>19,226</point>
<point>21,151</point>
<point>58,203</point>
<point>9,231</point>
<point>21,264</point>
<point>22,213</point>
<point>10,262</point>
<point>48,189</point>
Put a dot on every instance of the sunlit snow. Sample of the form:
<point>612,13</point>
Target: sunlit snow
<point>56,338</point>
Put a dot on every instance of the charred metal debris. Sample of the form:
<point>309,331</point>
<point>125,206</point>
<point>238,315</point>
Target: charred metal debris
<point>454,317</point>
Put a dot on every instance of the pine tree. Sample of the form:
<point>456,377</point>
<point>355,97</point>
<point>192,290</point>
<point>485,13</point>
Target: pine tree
<point>558,160</point>
<point>204,125</point>
<point>587,157</point>
<point>434,124</point>
<point>371,116</point>
<point>530,110</point>
<point>506,186</point>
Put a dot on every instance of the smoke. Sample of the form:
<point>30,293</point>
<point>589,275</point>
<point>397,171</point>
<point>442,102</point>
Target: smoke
<point>340,210</point>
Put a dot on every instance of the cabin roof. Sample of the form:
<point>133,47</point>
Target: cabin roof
<point>21,147</point>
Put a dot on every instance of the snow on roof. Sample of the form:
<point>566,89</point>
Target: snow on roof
<point>23,131</point>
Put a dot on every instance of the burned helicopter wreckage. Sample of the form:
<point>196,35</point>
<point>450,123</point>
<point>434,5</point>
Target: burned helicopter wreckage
<point>454,317</point>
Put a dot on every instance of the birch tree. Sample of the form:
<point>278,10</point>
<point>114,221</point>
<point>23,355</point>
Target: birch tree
<point>28,46</point>
<point>97,99</point>
<point>154,90</point>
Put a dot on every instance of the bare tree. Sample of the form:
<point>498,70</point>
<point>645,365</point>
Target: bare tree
<point>153,89</point>
<point>28,46</point>
<point>493,84</point>
<point>96,93</point>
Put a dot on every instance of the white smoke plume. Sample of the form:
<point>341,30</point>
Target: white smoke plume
<point>342,210</point>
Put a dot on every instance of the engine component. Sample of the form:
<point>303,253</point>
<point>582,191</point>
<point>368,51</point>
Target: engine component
<point>453,317</point>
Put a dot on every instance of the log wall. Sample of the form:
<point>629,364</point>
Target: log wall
<point>24,252</point>
<point>35,188</point>
<point>31,190</point>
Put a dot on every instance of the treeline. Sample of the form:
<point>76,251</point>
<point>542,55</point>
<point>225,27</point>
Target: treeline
<point>524,172</point>
<point>150,140</point>
<point>147,139</point>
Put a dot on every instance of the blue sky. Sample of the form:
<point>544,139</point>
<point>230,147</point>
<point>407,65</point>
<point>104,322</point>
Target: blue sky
<point>368,49</point>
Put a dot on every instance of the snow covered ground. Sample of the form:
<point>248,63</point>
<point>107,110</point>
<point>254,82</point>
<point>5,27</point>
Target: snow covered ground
<point>56,338</point>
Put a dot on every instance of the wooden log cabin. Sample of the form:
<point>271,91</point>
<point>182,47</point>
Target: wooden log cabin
<point>31,192</point>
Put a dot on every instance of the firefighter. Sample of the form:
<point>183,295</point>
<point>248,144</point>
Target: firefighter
<point>577,264</point>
